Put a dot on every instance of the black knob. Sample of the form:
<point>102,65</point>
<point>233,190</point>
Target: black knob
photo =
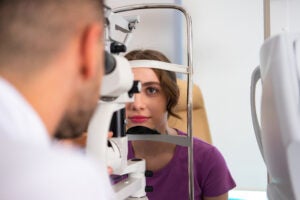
<point>148,188</point>
<point>117,47</point>
<point>148,173</point>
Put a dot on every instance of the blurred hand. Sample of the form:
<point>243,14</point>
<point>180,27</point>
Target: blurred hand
<point>110,134</point>
<point>81,142</point>
<point>109,169</point>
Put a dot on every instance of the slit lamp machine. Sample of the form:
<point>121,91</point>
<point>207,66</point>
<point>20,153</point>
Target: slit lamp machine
<point>118,88</point>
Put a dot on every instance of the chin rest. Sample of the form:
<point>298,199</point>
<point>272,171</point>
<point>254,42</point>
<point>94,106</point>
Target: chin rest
<point>200,122</point>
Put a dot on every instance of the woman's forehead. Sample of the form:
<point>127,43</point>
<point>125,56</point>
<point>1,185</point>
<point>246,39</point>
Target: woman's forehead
<point>145,74</point>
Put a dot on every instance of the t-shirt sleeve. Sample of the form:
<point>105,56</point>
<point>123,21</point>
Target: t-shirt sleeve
<point>216,176</point>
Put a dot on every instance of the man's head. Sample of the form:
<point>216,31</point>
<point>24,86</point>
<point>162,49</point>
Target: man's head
<point>52,52</point>
<point>35,31</point>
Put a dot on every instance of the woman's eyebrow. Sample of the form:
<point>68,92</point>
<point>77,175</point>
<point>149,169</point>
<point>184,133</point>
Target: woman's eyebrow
<point>150,83</point>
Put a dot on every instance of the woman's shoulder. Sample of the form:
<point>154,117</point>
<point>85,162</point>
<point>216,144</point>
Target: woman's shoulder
<point>198,143</point>
<point>203,151</point>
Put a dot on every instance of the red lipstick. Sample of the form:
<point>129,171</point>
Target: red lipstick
<point>138,119</point>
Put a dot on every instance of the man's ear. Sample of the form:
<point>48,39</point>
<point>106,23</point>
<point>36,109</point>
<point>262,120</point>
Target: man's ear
<point>91,50</point>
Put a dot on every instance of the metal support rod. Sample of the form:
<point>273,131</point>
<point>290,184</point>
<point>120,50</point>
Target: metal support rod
<point>189,78</point>
<point>267,19</point>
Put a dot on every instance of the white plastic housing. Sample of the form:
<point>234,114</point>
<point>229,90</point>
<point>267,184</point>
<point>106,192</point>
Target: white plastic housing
<point>280,115</point>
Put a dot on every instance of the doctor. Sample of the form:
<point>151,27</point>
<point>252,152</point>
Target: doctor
<point>51,67</point>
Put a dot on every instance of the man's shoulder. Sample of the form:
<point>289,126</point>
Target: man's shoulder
<point>66,174</point>
<point>56,160</point>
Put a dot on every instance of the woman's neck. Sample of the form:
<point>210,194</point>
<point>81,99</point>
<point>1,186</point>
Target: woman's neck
<point>156,154</point>
<point>154,148</point>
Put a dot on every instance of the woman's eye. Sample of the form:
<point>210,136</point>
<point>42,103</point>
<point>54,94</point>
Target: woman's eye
<point>151,90</point>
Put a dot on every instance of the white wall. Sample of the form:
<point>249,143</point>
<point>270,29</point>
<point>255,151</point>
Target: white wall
<point>285,16</point>
<point>158,29</point>
<point>227,36</point>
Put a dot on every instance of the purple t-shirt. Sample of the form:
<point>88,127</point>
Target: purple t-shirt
<point>212,177</point>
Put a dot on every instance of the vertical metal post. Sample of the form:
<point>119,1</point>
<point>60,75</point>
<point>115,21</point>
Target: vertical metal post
<point>267,19</point>
<point>190,106</point>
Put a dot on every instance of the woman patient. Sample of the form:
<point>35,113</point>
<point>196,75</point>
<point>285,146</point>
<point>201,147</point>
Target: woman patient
<point>169,162</point>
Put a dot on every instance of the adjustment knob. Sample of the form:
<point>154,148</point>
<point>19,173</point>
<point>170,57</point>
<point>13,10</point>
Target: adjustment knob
<point>148,188</point>
<point>148,173</point>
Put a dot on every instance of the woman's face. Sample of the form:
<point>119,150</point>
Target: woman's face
<point>149,106</point>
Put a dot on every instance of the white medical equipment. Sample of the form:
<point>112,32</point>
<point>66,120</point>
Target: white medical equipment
<point>116,91</point>
<point>278,133</point>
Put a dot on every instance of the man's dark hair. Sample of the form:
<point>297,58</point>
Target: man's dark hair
<point>33,31</point>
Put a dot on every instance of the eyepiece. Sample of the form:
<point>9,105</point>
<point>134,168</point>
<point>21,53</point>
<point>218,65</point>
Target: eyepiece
<point>110,63</point>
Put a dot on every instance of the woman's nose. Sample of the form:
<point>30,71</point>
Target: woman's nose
<point>138,102</point>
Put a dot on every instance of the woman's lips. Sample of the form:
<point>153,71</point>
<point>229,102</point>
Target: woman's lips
<point>138,119</point>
